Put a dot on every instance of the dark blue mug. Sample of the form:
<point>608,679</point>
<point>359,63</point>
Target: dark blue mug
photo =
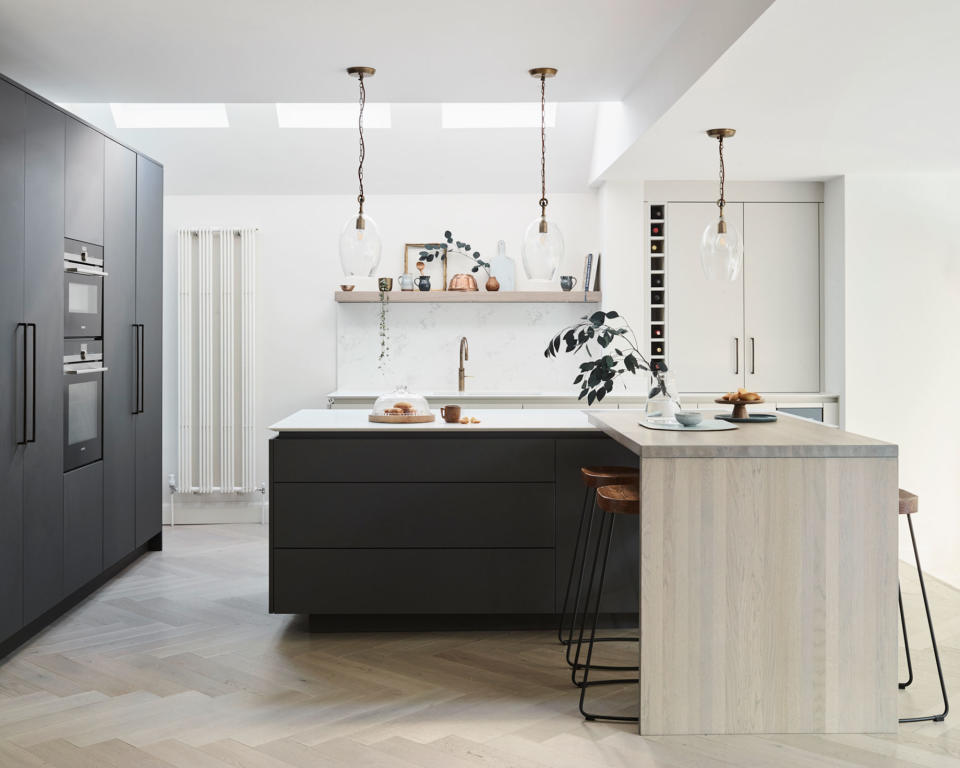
<point>423,282</point>
<point>567,282</point>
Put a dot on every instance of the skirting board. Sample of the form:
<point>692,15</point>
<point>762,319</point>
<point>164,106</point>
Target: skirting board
<point>206,510</point>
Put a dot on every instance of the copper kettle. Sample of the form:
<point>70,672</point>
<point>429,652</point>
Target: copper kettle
<point>462,282</point>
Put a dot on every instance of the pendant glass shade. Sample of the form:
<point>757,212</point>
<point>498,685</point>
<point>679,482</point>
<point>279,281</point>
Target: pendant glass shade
<point>721,251</point>
<point>360,246</point>
<point>542,249</point>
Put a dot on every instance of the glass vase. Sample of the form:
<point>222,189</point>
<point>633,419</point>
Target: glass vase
<point>663,400</point>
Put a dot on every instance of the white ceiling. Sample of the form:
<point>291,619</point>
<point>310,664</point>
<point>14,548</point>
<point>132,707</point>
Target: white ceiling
<point>296,50</point>
<point>815,89</point>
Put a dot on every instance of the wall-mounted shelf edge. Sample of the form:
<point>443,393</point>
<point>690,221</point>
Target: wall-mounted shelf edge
<point>469,297</point>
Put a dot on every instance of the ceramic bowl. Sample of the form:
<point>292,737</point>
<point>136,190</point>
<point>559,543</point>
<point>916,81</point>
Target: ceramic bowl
<point>689,418</point>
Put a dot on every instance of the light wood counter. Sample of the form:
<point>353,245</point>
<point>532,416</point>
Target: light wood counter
<point>768,578</point>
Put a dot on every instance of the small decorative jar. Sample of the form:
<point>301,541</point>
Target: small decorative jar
<point>663,400</point>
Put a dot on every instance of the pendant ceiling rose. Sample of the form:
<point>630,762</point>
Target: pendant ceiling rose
<point>543,72</point>
<point>721,133</point>
<point>361,71</point>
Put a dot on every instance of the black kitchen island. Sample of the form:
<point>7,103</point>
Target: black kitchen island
<point>383,526</point>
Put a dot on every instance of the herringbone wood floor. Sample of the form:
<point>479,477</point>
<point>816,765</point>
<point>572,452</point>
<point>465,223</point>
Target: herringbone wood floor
<point>177,663</point>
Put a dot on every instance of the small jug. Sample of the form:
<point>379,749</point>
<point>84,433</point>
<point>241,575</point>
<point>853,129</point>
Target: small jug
<point>423,282</point>
<point>568,282</point>
<point>406,281</point>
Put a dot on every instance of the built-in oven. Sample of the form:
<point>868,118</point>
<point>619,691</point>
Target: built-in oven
<point>82,289</point>
<point>83,371</point>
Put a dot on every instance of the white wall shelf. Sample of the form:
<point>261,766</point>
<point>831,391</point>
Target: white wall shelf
<point>470,297</point>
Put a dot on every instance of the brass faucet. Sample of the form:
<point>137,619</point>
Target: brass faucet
<point>464,355</point>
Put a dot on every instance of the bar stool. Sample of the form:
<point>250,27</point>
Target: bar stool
<point>909,504</point>
<point>612,500</point>
<point>593,478</point>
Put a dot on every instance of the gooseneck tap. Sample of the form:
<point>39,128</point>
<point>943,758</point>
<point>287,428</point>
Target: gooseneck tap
<point>464,355</point>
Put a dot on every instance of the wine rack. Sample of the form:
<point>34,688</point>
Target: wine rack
<point>657,282</point>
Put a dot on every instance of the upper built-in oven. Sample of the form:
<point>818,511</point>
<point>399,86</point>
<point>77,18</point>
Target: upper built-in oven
<point>82,289</point>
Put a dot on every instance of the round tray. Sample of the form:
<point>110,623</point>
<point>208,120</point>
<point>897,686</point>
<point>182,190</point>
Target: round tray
<point>755,418</point>
<point>392,418</point>
<point>739,406</point>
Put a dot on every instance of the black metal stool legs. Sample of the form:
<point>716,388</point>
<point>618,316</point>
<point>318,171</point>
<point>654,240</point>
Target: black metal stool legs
<point>933,639</point>
<point>605,541</point>
<point>573,566</point>
<point>906,643</point>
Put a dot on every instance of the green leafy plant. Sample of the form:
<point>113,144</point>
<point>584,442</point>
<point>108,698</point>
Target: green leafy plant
<point>440,252</point>
<point>619,354</point>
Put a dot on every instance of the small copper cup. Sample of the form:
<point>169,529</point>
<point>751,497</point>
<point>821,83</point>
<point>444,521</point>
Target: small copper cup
<point>450,413</point>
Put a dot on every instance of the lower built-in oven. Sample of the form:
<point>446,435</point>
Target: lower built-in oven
<point>82,289</point>
<point>83,371</point>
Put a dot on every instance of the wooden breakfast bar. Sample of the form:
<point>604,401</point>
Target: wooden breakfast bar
<point>768,578</point>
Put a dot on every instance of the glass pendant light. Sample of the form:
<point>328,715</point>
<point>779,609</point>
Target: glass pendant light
<point>542,240</point>
<point>721,250</point>
<point>360,237</point>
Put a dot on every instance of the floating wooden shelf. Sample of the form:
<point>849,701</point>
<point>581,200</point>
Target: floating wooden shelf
<point>469,297</point>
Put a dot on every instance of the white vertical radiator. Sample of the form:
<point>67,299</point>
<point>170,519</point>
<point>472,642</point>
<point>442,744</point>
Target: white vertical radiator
<point>216,361</point>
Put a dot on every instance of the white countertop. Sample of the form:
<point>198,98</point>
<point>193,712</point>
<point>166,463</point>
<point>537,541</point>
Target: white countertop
<point>440,396</point>
<point>491,420</point>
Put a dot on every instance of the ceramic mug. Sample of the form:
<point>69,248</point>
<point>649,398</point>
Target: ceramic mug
<point>423,282</point>
<point>450,413</point>
<point>567,282</point>
<point>406,281</point>
<point>385,283</point>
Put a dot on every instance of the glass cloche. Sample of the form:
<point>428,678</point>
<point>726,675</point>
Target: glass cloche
<point>401,402</point>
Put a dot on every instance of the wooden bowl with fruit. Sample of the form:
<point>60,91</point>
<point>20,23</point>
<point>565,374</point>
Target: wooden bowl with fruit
<point>740,400</point>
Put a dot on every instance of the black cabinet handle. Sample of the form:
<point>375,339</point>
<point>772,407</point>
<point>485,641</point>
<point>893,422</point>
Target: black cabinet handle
<point>24,327</point>
<point>753,355</point>
<point>136,367</point>
<point>140,355</point>
<point>736,350</point>
<point>33,386</point>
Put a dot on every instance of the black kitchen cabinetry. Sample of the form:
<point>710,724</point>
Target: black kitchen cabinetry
<point>149,319</point>
<point>12,360</point>
<point>479,527</point>
<point>121,351</point>
<point>83,181</point>
<point>62,535</point>
<point>43,313</point>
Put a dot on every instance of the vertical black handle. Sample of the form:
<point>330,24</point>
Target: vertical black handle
<point>24,327</point>
<point>136,367</point>
<point>753,355</point>
<point>736,342</point>
<point>33,386</point>
<point>140,370</point>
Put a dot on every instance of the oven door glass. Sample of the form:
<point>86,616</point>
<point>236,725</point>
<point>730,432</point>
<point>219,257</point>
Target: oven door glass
<point>83,416</point>
<point>82,305</point>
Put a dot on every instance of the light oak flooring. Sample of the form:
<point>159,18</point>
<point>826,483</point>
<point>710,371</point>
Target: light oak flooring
<point>177,663</point>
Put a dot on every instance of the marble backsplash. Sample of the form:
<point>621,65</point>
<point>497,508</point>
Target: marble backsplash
<point>506,347</point>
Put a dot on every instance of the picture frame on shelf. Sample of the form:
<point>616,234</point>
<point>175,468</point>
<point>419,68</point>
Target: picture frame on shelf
<point>436,272</point>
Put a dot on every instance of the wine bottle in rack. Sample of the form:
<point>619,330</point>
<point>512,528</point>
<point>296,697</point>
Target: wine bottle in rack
<point>656,212</point>
<point>656,281</point>
<point>656,246</point>
<point>656,297</point>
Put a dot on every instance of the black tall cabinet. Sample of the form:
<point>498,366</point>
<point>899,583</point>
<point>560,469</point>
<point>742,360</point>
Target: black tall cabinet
<point>63,534</point>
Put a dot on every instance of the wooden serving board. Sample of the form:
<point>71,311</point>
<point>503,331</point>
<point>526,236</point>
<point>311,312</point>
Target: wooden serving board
<point>392,418</point>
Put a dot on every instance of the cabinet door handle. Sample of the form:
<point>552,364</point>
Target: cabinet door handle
<point>141,369</point>
<point>753,355</point>
<point>736,349</point>
<point>24,421</point>
<point>33,386</point>
<point>136,369</point>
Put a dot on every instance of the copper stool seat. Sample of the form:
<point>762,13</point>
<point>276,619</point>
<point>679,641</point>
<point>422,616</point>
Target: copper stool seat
<point>908,505</point>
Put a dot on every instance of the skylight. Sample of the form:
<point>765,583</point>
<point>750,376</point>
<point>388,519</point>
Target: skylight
<point>510,115</point>
<point>170,115</point>
<point>332,115</point>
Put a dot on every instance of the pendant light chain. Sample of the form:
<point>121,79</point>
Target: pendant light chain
<point>363,148</point>
<point>722,202</point>
<point>543,145</point>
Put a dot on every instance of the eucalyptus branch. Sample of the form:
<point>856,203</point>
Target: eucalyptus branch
<point>596,376</point>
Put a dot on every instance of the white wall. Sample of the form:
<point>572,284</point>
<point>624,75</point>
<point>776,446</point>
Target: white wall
<point>902,292</point>
<point>299,268</point>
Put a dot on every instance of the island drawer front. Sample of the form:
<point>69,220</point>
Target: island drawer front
<point>399,459</point>
<point>359,581</point>
<point>421,515</point>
